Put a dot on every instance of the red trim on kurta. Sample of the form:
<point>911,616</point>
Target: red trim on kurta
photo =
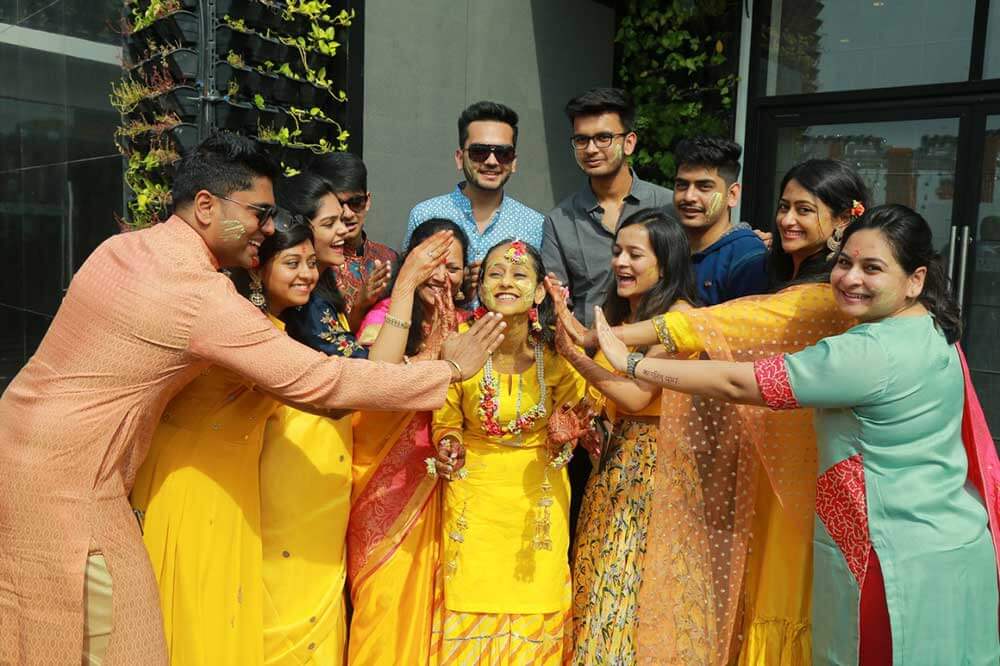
<point>842,505</point>
<point>984,468</point>
<point>772,379</point>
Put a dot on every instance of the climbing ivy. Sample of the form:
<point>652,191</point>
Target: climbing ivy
<point>678,60</point>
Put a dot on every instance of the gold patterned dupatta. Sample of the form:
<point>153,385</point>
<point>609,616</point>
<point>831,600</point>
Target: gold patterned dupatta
<point>709,457</point>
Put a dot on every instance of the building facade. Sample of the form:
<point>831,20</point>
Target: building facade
<point>908,93</point>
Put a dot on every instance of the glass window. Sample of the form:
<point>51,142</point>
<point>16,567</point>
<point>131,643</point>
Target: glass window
<point>982,302</point>
<point>812,46</point>
<point>911,162</point>
<point>991,67</point>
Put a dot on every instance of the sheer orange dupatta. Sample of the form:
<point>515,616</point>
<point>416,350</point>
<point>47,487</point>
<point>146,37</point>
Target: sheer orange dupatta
<point>708,460</point>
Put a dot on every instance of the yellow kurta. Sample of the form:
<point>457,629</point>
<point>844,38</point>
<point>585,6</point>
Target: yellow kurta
<point>200,496</point>
<point>491,517</point>
<point>305,479</point>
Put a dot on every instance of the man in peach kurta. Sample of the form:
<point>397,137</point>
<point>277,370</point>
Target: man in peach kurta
<point>145,314</point>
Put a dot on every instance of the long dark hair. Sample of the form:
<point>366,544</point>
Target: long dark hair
<point>427,229</point>
<point>673,256</point>
<point>546,309</point>
<point>912,243</point>
<point>836,185</point>
<point>301,195</point>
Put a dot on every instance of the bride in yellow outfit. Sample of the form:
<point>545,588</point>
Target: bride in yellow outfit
<point>506,513</point>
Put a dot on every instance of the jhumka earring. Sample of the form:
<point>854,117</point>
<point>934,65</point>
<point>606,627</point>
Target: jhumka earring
<point>536,327</point>
<point>833,242</point>
<point>257,290</point>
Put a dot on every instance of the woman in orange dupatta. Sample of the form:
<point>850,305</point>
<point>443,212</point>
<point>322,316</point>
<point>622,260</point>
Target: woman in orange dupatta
<point>706,596</point>
<point>394,532</point>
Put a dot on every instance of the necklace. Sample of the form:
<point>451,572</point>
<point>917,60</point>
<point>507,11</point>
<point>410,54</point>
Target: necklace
<point>489,403</point>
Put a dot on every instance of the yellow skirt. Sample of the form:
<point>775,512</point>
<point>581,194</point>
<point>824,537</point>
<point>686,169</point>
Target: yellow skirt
<point>610,547</point>
<point>778,588</point>
<point>502,639</point>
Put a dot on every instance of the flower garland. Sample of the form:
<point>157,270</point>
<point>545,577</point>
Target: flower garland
<point>489,403</point>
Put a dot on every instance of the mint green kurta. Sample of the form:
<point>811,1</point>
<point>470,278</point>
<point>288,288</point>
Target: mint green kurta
<point>889,399</point>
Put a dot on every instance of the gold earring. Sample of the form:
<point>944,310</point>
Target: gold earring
<point>833,242</point>
<point>257,290</point>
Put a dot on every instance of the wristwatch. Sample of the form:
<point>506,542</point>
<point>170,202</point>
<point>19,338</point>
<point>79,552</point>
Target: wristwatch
<point>631,361</point>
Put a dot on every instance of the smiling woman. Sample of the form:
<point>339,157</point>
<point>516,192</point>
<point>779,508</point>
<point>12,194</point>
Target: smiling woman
<point>908,475</point>
<point>506,515</point>
<point>199,493</point>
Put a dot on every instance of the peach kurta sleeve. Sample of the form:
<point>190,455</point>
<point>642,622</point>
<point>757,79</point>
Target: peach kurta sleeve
<point>230,332</point>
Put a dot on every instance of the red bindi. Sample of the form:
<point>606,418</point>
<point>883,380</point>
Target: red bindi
<point>856,253</point>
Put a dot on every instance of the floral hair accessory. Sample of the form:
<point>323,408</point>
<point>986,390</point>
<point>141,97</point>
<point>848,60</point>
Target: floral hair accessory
<point>516,252</point>
<point>857,209</point>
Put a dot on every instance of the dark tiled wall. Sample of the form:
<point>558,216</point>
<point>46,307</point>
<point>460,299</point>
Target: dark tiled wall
<point>60,174</point>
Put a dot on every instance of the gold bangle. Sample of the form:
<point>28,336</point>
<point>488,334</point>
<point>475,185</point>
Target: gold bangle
<point>457,367</point>
<point>397,322</point>
<point>663,333</point>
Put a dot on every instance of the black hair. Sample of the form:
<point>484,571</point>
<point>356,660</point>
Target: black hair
<point>301,195</point>
<point>222,164</point>
<point>710,151</point>
<point>345,172</point>
<point>912,243</point>
<point>836,185</point>
<point>485,111</point>
<point>296,233</point>
<point>596,101</point>
<point>425,230</point>
<point>546,309</point>
<point>673,256</point>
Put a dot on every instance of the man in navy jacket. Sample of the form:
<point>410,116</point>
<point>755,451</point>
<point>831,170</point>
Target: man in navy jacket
<point>729,259</point>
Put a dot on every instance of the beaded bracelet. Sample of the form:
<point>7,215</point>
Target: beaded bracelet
<point>397,322</point>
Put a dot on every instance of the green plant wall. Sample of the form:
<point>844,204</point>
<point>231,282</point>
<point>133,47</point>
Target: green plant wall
<point>678,59</point>
<point>271,69</point>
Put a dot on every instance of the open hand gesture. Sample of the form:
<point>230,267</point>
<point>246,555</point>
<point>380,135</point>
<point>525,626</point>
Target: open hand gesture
<point>613,348</point>
<point>580,334</point>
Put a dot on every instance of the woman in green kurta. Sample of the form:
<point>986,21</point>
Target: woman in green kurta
<point>905,567</point>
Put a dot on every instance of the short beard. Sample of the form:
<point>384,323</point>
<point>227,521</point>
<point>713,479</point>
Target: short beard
<point>472,177</point>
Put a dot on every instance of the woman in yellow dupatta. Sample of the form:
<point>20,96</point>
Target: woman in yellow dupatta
<point>729,550</point>
<point>198,494</point>
<point>394,533</point>
<point>305,466</point>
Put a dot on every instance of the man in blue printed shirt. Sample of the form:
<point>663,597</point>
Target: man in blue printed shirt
<point>487,156</point>
<point>729,260</point>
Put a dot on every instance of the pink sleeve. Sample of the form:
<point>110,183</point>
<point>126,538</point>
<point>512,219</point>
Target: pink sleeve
<point>230,332</point>
<point>375,316</point>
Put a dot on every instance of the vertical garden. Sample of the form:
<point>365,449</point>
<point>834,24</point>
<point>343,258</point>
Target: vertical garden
<point>272,69</point>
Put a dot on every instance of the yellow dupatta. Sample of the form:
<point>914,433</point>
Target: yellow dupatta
<point>710,454</point>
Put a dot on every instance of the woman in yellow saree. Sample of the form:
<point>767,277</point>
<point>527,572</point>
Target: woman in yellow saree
<point>198,494</point>
<point>729,552</point>
<point>394,532</point>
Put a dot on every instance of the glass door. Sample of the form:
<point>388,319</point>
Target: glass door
<point>977,267</point>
